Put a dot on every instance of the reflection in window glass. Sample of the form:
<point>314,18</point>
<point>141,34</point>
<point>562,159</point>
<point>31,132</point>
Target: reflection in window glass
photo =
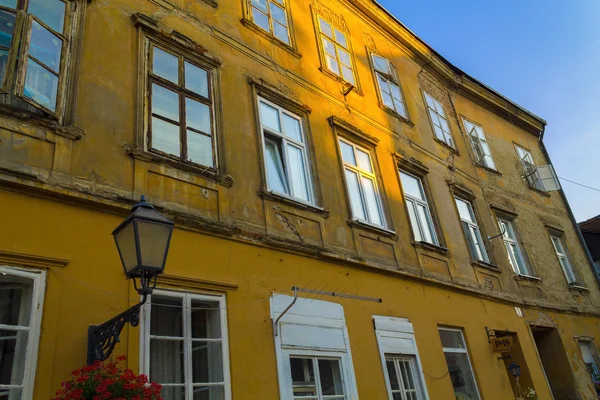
<point>459,365</point>
<point>304,383</point>
<point>270,15</point>
<point>336,51</point>
<point>50,12</point>
<point>404,381</point>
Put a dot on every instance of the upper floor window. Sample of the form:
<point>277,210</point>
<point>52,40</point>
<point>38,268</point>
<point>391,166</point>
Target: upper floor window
<point>418,209</point>
<point>184,345</point>
<point>181,107</point>
<point>285,152</point>
<point>361,183</point>
<point>531,173</point>
<point>271,16</point>
<point>563,258</point>
<point>389,85</point>
<point>515,255</point>
<point>34,51</point>
<point>336,51</point>
<point>439,120</point>
<point>480,145</point>
<point>459,364</point>
<point>471,229</point>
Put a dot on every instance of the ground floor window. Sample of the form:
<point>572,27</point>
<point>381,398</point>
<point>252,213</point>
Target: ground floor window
<point>459,364</point>
<point>403,378</point>
<point>184,341</point>
<point>21,298</point>
<point>317,378</point>
<point>587,353</point>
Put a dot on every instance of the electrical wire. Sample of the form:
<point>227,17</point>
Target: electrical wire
<point>579,184</point>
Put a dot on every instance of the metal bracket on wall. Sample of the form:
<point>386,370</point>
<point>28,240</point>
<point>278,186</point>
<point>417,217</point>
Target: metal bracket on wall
<point>493,333</point>
<point>276,323</point>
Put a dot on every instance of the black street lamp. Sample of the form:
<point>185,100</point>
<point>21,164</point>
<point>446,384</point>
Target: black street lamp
<point>143,241</point>
<point>515,370</point>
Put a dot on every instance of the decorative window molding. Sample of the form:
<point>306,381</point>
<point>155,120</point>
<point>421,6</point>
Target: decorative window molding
<point>22,299</point>
<point>39,56</point>
<point>312,337</point>
<point>355,134</point>
<point>459,363</point>
<point>334,43</point>
<point>391,96</point>
<point>185,350</point>
<point>471,230</point>
<point>179,108</point>
<point>400,359</point>
<point>272,20</point>
<point>479,144</point>
<point>439,120</point>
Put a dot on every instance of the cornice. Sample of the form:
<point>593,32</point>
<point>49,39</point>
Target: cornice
<point>195,283</point>
<point>30,260</point>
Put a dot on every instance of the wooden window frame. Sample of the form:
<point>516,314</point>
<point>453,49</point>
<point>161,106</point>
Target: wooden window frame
<point>16,67</point>
<point>34,328</point>
<point>447,135</point>
<point>392,78</point>
<point>187,297</point>
<point>479,161</point>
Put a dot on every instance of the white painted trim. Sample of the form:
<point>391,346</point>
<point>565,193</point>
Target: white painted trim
<point>462,351</point>
<point>187,297</point>
<point>35,322</point>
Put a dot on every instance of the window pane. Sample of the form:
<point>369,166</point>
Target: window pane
<point>329,47</point>
<point>347,74</point>
<point>51,12</point>
<point>260,19</point>
<point>165,137</point>
<point>452,339</point>
<point>364,161</point>
<point>15,300</point>
<point>387,100</point>
<point>269,117</point>
<point>166,316</point>
<point>396,92</point>
<point>13,348</point>
<point>209,393</point>
<point>461,376</point>
<point>331,377</point>
<point>340,38</point>
<point>557,245</point>
<point>196,79</point>
<point>207,362</point>
<point>464,209</point>
<point>347,153</point>
<point>425,223</point>
<point>354,194</point>
<point>278,14</point>
<point>281,32</point>
<point>291,127</point>
<point>7,28</point>
<point>8,3</point>
<point>165,102</point>
<point>260,4</point>
<point>45,46</point>
<point>275,173</point>
<point>332,64</point>
<point>430,101</point>
<point>200,149</point>
<point>568,270</point>
<point>411,185</point>
<point>3,63</point>
<point>297,173</point>
<point>380,64</point>
<point>391,369</point>
<point>165,65</point>
<point>303,377</point>
<point>325,27</point>
<point>344,57</point>
<point>41,85</point>
<point>206,319</point>
<point>166,361</point>
<point>371,201</point>
<point>413,220</point>
<point>173,392</point>
<point>198,116</point>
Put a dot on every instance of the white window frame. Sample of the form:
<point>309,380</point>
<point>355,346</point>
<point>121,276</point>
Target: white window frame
<point>590,363</point>
<point>562,255</point>
<point>413,202</point>
<point>386,81</point>
<point>293,338</point>
<point>530,170</point>
<point>372,176</point>
<point>338,48</point>
<point>282,149</point>
<point>473,233</point>
<point>438,119</point>
<point>511,243</point>
<point>396,339</point>
<point>272,21</point>
<point>34,328</point>
<point>187,298</point>
<point>461,351</point>
<point>480,144</point>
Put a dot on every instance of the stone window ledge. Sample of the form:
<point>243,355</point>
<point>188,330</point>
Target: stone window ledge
<point>440,141</point>
<point>488,266</point>
<point>432,247</point>
<point>528,278</point>
<point>574,287</point>
<point>373,228</point>
<point>259,31</point>
<point>276,197</point>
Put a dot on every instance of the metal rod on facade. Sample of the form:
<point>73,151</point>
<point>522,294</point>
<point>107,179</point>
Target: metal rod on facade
<point>337,294</point>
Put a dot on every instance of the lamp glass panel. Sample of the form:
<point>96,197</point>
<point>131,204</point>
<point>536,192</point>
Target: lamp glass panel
<point>154,240</point>
<point>125,240</point>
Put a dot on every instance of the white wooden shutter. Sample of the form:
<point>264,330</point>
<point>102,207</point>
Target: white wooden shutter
<point>397,336</point>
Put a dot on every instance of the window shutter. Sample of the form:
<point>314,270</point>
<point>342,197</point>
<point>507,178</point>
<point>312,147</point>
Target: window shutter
<point>548,178</point>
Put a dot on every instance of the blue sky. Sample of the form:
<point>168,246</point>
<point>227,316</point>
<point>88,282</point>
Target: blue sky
<point>542,54</point>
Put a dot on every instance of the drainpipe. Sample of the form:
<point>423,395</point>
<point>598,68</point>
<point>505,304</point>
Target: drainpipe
<point>571,215</point>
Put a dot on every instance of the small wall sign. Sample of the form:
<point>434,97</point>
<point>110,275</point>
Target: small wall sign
<point>502,344</point>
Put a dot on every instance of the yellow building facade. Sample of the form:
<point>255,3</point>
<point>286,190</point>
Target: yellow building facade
<point>316,145</point>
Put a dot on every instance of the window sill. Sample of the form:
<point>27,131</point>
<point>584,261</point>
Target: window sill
<point>276,197</point>
<point>440,141</point>
<point>205,172</point>
<point>340,80</point>
<point>68,131</point>
<point>528,278</point>
<point>433,247</point>
<point>395,114</point>
<point>488,266</point>
<point>488,169</point>
<point>373,228</point>
<point>259,31</point>
<point>211,3</point>
<point>574,287</point>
